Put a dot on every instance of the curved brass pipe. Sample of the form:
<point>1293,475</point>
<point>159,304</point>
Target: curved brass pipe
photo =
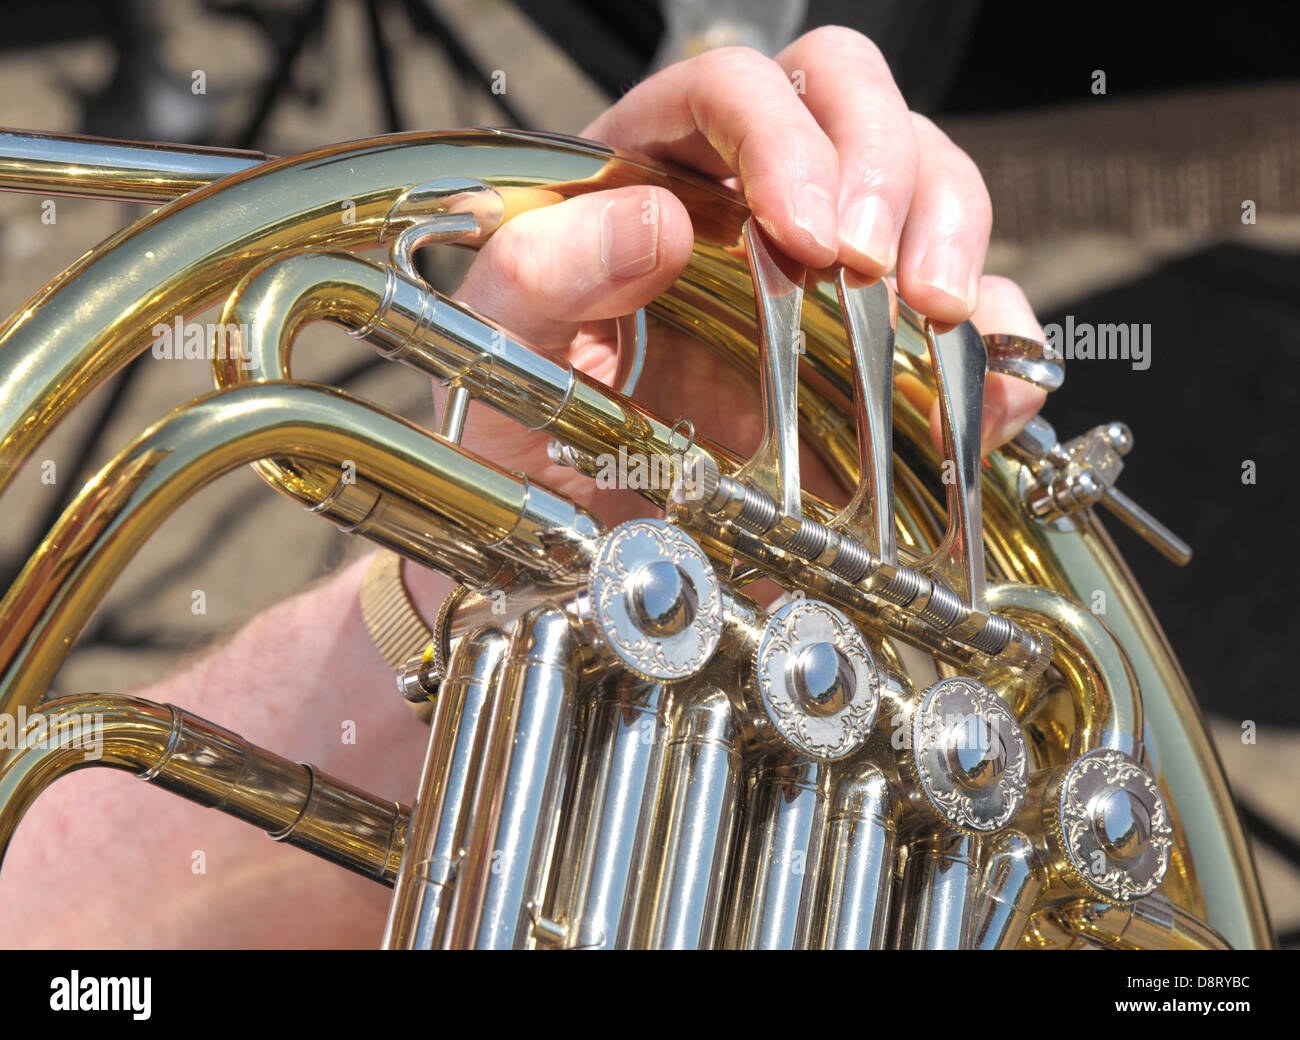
<point>101,530</point>
<point>126,171</point>
<point>1108,708</point>
<point>77,331</point>
<point>99,313</point>
<point>1153,923</point>
<point>207,764</point>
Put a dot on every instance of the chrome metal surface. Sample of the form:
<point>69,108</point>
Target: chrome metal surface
<point>516,805</point>
<point>417,918</point>
<point>778,294</point>
<point>870,513</point>
<point>968,756</point>
<point>1070,477</point>
<point>817,680</point>
<point>655,600</point>
<point>1026,359</point>
<point>1114,826</point>
<point>861,843</point>
<point>960,360</point>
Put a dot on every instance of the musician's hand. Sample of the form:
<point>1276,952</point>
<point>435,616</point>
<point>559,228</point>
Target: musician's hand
<point>840,173</point>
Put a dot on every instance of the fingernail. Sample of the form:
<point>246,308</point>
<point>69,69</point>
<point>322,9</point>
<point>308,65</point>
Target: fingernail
<point>948,269</point>
<point>629,236</point>
<point>814,212</point>
<point>869,228</point>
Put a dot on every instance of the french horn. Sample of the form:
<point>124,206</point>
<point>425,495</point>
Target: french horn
<point>931,740</point>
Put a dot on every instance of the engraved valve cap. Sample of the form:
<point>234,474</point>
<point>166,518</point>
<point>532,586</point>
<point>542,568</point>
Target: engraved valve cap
<point>655,600</point>
<point>1112,827</point>
<point>968,756</point>
<point>817,680</point>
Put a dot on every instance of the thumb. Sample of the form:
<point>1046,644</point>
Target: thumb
<point>550,270</point>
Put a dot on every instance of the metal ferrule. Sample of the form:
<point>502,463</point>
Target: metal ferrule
<point>517,804</point>
<point>609,854</point>
<point>213,767</point>
<point>439,824</point>
<point>937,893</point>
<point>858,859</point>
<point>693,824</point>
<point>359,506</point>
<point>775,894</point>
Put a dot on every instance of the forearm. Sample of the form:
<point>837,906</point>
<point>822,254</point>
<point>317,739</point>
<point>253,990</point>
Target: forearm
<point>149,869</point>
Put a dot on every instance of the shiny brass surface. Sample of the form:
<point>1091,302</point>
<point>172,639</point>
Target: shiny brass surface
<point>207,764</point>
<point>563,804</point>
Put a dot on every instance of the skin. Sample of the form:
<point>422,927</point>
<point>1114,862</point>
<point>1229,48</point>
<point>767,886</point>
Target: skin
<point>841,173</point>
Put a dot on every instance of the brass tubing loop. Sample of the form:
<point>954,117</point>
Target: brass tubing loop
<point>208,765</point>
<point>665,851</point>
<point>105,525</point>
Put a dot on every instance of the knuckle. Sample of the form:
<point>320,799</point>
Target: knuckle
<point>515,261</point>
<point>843,41</point>
<point>996,287</point>
<point>732,61</point>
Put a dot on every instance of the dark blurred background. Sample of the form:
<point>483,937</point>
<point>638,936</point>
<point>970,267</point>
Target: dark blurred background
<point>1124,206</point>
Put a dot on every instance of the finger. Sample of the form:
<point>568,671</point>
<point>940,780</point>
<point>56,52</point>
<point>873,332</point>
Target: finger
<point>851,92</point>
<point>732,111</point>
<point>1009,402</point>
<point>946,234</point>
<point>549,270</point>
<point>1004,308</point>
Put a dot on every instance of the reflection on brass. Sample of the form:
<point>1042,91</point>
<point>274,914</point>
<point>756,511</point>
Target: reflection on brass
<point>207,764</point>
<point>598,776</point>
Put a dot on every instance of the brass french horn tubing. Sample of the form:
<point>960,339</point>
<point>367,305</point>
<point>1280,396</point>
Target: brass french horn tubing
<point>408,323</point>
<point>101,530</point>
<point>1108,707</point>
<point>861,844</point>
<point>209,765</point>
<point>212,237</point>
<point>417,918</point>
<point>1152,923</point>
<point>936,892</point>
<point>781,856</point>
<point>125,171</point>
<point>694,823</point>
<point>608,854</point>
<point>516,808</point>
<point>1011,880</point>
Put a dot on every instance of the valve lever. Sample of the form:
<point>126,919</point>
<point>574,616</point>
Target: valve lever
<point>778,294</point>
<point>1082,472</point>
<point>960,360</point>
<point>870,513</point>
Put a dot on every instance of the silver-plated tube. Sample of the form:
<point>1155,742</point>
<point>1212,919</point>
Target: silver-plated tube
<point>938,886</point>
<point>1010,881</point>
<point>693,826</point>
<point>517,804</point>
<point>608,851</point>
<point>776,890</point>
<point>417,916</point>
<point>861,842</point>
